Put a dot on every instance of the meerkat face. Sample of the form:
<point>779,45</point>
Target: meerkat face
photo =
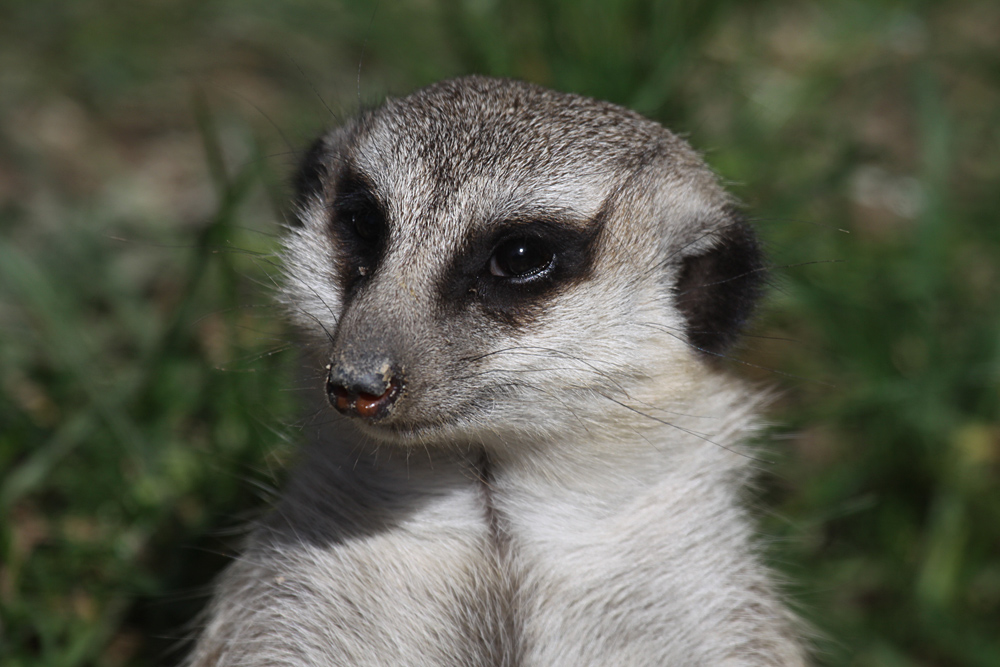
<point>486,259</point>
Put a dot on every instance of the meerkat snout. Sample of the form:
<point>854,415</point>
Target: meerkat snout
<point>530,286</point>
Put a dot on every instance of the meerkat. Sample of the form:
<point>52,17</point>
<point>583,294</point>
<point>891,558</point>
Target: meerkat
<point>520,297</point>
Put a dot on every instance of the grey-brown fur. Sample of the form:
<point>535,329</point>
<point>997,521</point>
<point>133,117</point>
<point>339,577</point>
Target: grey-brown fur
<point>553,474</point>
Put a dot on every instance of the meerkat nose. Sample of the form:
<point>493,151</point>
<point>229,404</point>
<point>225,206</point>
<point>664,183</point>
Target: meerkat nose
<point>356,392</point>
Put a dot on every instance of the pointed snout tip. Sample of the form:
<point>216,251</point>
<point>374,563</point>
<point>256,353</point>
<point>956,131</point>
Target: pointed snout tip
<point>367,395</point>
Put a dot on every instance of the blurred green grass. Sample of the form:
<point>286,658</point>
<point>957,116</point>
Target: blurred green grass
<point>146,403</point>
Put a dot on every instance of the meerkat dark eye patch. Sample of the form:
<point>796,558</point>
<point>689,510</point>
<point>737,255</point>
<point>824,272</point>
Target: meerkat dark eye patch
<point>360,228</point>
<point>718,289</point>
<point>511,269</point>
<point>308,179</point>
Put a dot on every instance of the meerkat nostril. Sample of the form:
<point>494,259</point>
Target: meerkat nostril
<point>338,396</point>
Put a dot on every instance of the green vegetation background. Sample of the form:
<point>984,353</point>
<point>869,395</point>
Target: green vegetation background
<point>146,382</point>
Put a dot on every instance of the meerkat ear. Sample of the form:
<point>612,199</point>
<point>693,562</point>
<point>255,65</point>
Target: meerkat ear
<point>719,288</point>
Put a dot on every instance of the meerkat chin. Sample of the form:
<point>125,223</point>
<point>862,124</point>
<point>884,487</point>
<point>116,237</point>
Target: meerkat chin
<point>519,296</point>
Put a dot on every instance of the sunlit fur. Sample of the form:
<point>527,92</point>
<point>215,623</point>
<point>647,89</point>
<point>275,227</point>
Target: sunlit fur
<point>560,487</point>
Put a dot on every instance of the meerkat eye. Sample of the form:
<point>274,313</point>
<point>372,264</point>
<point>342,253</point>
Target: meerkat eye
<point>358,215</point>
<point>367,224</point>
<point>521,258</point>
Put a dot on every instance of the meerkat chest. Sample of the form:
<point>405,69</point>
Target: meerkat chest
<point>606,581</point>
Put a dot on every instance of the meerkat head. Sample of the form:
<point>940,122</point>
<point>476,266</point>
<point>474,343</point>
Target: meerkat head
<point>485,259</point>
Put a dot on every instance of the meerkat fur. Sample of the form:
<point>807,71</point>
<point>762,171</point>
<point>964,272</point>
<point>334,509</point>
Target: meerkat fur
<point>521,296</point>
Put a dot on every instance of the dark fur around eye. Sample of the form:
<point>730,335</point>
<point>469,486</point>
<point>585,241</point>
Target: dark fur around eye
<point>359,227</point>
<point>513,269</point>
<point>718,289</point>
<point>308,179</point>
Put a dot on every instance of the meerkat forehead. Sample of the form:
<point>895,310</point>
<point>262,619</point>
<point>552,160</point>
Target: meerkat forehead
<point>509,145</point>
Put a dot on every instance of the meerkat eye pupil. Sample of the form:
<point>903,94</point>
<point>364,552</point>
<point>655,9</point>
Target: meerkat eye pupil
<point>521,258</point>
<point>367,225</point>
